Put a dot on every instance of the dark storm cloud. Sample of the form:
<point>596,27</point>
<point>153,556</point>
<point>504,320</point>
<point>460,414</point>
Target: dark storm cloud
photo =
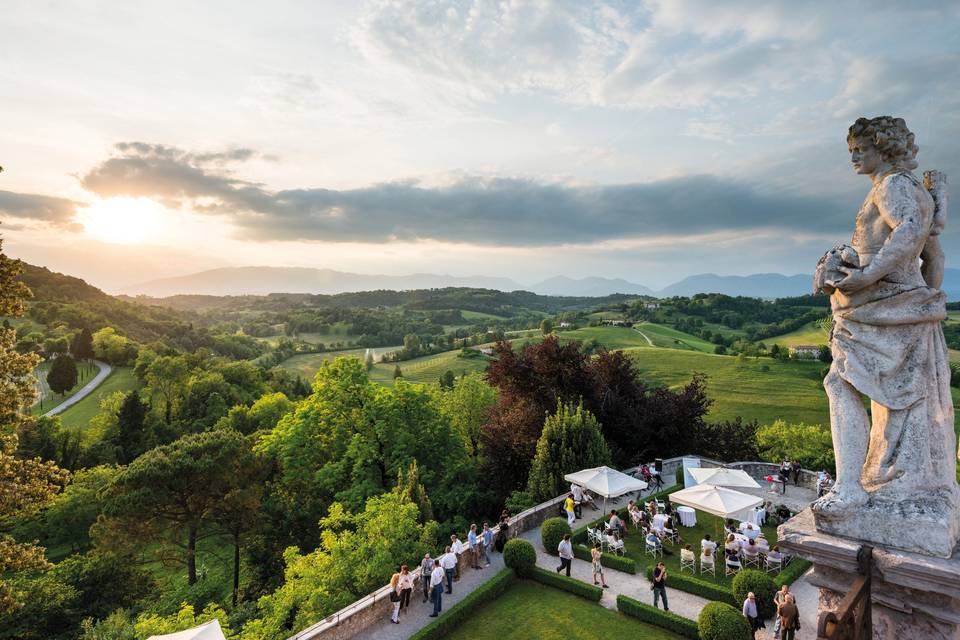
<point>498,211</point>
<point>58,212</point>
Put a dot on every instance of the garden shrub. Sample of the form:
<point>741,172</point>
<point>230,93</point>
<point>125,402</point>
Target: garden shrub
<point>720,621</point>
<point>762,586</point>
<point>460,612</point>
<point>576,587</point>
<point>796,568</point>
<point>519,555</point>
<point>698,587</point>
<point>552,532</point>
<point>609,560</point>
<point>663,619</point>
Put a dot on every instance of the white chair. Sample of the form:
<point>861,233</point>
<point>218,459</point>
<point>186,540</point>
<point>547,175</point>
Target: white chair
<point>615,545</point>
<point>774,565</point>
<point>591,537</point>
<point>688,561</point>
<point>732,566</point>
<point>653,548</point>
<point>708,565</point>
<point>751,557</point>
<point>671,535</point>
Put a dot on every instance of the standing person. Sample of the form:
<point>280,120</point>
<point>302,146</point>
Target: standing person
<point>406,587</point>
<point>565,548</point>
<point>796,468</point>
<point>436,587</point>
<point>473,542</point>
<point>595,555</point>
<point>487,538</point>
<point>577,492</point>
<point>426,567</point>
<point>457,547</point>
<point>750,613</point>
<point>778,599</point>
<point>449,563</point>
<point>660,585</point>
<point>395,598</point>
<point>788,613</point>
<point>568,506</point>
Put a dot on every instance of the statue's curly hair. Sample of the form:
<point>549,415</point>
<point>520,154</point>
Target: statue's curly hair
<point>890,136</point>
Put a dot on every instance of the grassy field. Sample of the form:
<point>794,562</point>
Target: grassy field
<point>789,390</point>
<point>47,399</point>
<point>478,315</point>
<point>428,368</point>
<point>530,611</point>
<point>810,333</point>
<point>664,336</point>
<point>610,337</point>
<point>306,365</point>
<point>120,379</point>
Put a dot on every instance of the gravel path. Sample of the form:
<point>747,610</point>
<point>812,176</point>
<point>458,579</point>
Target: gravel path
<point>649,341</point>
<point>87,389</point>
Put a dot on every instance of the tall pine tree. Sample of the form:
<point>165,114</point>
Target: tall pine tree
<point>571,441</point>
<point>81,347</point>
<point>130,427</point>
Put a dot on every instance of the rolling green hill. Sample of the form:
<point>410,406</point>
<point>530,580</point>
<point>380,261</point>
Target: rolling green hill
<point>428,368</point>
<point>811,333</point>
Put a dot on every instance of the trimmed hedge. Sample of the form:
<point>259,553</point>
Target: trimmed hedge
<point>720,621</point>
<point>697,587</point>
<point>519,555</point>
<point>762,587</point>
<point>663,619</point>
<point>609,560</point>
<point>796,568</point>
<point>576,587</point>
<point>551,533</point>
<point>460,612</point>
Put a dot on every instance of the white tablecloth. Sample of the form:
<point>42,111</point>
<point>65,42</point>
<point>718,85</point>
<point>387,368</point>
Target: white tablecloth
<point>688,517</point>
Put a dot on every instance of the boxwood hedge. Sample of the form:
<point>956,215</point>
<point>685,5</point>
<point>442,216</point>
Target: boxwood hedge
<point>609,560</point>
<point>558,581</point>
<point>720,621</point>
<point>663,619</point>
<point>460,612</point>
<point>519,555</point>
<point>697,586</point>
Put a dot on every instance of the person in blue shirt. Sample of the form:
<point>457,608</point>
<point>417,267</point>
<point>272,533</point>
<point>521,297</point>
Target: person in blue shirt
<point>487,537</point>
<point>473,542</point>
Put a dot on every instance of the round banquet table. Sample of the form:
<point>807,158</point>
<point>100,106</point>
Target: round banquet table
<point>688,517</point>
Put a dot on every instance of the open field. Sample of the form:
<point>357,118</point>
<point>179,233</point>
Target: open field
<point>120,379</point>
<point>428,368</point>
<point>610,337</point>
<point>665,336</point>
<point>531,611</point>
<point>47,399</point>
<point>810,333</point>
<point>306,365</point>
<point>475,316</point>
<point>789,390</point>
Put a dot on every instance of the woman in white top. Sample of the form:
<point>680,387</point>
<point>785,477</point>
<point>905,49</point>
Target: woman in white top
<point>707,543</point>
<point>395,598</point>
<point>405,586</point>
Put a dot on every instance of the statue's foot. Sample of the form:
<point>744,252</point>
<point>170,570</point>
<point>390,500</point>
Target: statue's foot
<point>841,499</point>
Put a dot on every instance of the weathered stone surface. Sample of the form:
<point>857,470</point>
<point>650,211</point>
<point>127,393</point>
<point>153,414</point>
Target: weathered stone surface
<point>914,596</point>
<point>896,465</point>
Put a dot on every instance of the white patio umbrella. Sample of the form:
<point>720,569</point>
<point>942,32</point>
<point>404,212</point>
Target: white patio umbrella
<point>718,501</point>
<point>721,477</point>
<point>606,482</point>
<point>208,631</point>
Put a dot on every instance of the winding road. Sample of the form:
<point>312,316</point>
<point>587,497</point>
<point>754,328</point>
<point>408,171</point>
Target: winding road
<point>86,390</point>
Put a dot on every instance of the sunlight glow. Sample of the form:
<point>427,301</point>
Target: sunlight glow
<point>123,220</point>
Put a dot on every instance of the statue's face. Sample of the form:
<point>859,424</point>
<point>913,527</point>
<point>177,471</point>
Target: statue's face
<point>864,156</point>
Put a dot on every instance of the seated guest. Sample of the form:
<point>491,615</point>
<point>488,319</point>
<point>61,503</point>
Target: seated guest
<point>615,524</point>
<point>667,507</point>
<point>707,543</point>
<point>750,550</point>
<point>652,507</point>
<point>686,554</point>
<point>652,539</point>
<point>658,522</point>
<point>733,560</point>
<point>774,554</point>
<point>762,544</point>
<point>732,544</point>
<point>750,532</point>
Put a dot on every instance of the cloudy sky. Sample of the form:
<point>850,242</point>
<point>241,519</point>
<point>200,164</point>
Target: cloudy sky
<point>647,141</point>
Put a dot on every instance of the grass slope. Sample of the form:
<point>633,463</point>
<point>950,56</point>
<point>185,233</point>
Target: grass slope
<point>664,336</point>
<point>47,399</point>
<point>610,337</point>
<point>428,368</point>
<point>306,365</point>
<point>120,379</point>
<point>792,391</point>
<point>810,333</point>
<point>529,611</point>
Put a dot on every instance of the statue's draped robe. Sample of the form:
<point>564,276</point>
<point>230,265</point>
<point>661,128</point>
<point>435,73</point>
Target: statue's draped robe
<point>888,343</point>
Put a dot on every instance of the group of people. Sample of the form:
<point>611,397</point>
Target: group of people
<point>573,504</point>
<point>437,575</point>
<point>787,617</point>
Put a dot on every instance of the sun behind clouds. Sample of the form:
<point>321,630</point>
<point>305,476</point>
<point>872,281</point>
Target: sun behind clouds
<point>123,220</point>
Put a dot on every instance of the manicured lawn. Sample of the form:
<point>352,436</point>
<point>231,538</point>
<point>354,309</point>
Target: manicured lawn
<point>634,543</point>
<point>530,611</point>
<point>120,379</point>
<point>792,391</point>
<point>428,369</point>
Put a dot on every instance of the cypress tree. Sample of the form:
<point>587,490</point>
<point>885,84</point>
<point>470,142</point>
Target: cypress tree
<point>571,440</point>
<point>81,347</point>
<point>130,423</point>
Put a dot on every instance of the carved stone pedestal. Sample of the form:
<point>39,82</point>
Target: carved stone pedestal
<point>914,597</point>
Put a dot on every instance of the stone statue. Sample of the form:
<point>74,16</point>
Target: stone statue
<point>896,466</point>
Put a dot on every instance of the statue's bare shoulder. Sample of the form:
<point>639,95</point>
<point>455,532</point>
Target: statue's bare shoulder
<point>901,198</point>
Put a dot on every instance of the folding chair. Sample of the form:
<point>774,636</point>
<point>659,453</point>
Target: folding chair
<point>688,561</point>
<point>615,545</point>
<point>653,549</point>
<point>731,568</point>
<point>751,560</point>
<point>708,565</point>
<point>774,565</point>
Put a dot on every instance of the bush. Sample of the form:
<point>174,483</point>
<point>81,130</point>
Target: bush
<point>698,587</point>
<point>460,612</point>
<point>552,532</point>
<point>576,587</point>
<point>519,555</point>
<point>609,560</point>
<point>796,568</point>
<point>720,621</point>
<point>663,619</point>
<point>762,586</point>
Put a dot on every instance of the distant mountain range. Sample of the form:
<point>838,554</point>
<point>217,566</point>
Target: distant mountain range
<point>264,280</point>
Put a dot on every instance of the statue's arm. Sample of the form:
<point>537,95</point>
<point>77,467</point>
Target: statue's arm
<point>933,262</point>
<point>898,206</point>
